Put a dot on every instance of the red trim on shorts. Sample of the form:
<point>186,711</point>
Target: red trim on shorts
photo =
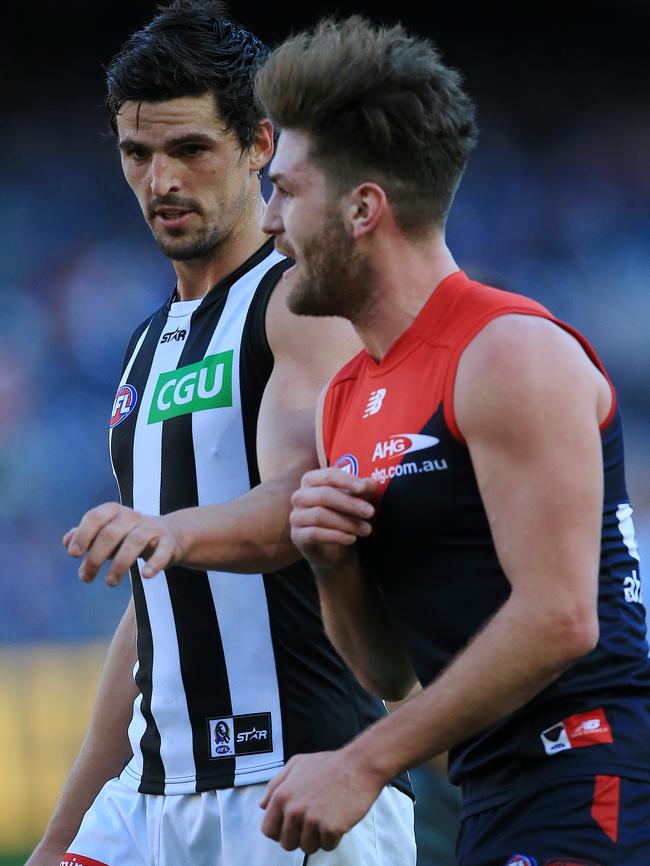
<point>70,859</point>
<point>604,809</point>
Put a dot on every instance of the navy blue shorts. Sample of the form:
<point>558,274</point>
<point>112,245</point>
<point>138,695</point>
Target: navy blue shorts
<point>594,821</point>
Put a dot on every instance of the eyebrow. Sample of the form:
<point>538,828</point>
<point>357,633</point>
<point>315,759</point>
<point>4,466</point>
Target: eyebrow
<point>189,138</point>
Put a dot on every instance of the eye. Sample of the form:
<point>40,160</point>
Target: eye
<point>137,154</point>
<point>191,149</point>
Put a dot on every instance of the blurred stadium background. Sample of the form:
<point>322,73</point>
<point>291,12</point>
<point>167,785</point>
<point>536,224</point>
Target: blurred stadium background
<point>555,203</point>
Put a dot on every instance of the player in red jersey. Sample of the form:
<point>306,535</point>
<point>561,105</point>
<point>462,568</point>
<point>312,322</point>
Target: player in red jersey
<point>470,527</point>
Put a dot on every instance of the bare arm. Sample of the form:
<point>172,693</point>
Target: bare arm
<point>105,749</point>
<point>251,533</point>
<point>529,403</point>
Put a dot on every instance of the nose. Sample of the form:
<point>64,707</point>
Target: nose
<point>163,175</point>
<point>272,219</point>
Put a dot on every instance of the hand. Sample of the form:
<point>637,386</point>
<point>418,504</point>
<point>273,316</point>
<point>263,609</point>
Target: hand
<point>317,798</point>
<point>115,532</point>
<point>331,510</point>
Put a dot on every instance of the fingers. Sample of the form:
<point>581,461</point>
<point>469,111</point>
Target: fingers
<point>330,508</point>
<point>290,824</point>
<point>114,532</point>
<point>78,539</point>
<point>330,477</point>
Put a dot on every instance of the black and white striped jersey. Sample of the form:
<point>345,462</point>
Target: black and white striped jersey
<point>234,671</point>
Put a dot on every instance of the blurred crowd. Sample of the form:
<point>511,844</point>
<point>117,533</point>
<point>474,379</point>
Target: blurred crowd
<point>566,221</point>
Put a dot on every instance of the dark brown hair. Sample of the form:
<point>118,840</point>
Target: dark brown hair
<point>191,47</point>
<point>378,104</point>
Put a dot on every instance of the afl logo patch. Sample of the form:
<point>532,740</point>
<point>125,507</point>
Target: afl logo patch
<point>124,404</point>
<point>521,860</point>
<point>348,463</point>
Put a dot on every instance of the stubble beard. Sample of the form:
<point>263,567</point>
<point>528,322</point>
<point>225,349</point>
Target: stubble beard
<point>335,278</point>
<point>201,244</point>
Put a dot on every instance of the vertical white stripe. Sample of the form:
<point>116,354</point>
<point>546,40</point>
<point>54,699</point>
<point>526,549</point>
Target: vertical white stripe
<point>240,600</point>
<point>168,702</point>
<point>626,526</point>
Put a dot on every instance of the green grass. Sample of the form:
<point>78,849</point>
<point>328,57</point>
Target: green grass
<point>13,859</point>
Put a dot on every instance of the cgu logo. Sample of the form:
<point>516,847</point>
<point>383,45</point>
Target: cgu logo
<point>402,443</point>
<point>178,334</point>
<point>204,385</point>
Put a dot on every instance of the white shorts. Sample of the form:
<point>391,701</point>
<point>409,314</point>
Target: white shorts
<point>223,828</point>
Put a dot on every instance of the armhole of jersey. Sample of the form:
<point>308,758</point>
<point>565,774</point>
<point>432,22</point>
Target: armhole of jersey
<point>450,377</point>
<point>259,306</point>
<point>256,363</point>
<point>323,459</point>
<point>133,342</point>
<point>326,419</point>
<point>593,357</point>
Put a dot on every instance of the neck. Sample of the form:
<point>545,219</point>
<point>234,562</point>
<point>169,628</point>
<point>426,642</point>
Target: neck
<point>197,276</point>
<point>406,274</point>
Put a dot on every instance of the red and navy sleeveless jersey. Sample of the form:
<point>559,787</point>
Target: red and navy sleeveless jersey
<point>434,559</point>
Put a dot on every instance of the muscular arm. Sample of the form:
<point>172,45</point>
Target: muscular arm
<point>331,509</point>
<point>105,749</point>
<point>251,533</point>
<point>529,403</point>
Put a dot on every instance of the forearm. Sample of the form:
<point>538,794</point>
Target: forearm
<point>486,682</point>
<point>106,746</point>
<point>247,535</point>
<point>356,622</point>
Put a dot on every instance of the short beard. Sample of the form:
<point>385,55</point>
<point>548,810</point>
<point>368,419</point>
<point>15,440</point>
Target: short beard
<point>336,279</point>
<point>199,246</point>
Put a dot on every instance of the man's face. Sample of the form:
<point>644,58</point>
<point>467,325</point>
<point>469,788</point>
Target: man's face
<point>331,276</point>
<point>191,178</point>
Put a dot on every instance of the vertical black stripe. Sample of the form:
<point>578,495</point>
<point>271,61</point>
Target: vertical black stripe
<point>202,661</point>
<point>256,363</point>
<point>122,456</point>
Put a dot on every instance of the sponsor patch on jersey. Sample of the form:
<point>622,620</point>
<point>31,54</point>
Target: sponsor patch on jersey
<point>576,732</point>
<point>204,385</point>
<point>402,443</point>
<point>521,860</point>
<point>70,859</point>
<point>248,734</point>
<point>178,335</point>
<point>348,463</point>
<point>123,404</point>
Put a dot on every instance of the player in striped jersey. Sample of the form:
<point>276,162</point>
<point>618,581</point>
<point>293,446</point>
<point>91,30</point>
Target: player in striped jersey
<point>470,527</point>
<point>220,669</point>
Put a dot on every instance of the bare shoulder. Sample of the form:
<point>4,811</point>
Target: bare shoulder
<point>521,366</point>
<point>322,343</point>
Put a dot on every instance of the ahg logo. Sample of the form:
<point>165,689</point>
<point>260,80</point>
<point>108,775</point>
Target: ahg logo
<point>402,443</point>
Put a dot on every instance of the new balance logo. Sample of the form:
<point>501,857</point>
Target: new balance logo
<point>374,402</point>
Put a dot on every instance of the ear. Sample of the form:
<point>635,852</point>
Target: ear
<point>261,150</point>
<point>367,204</point>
